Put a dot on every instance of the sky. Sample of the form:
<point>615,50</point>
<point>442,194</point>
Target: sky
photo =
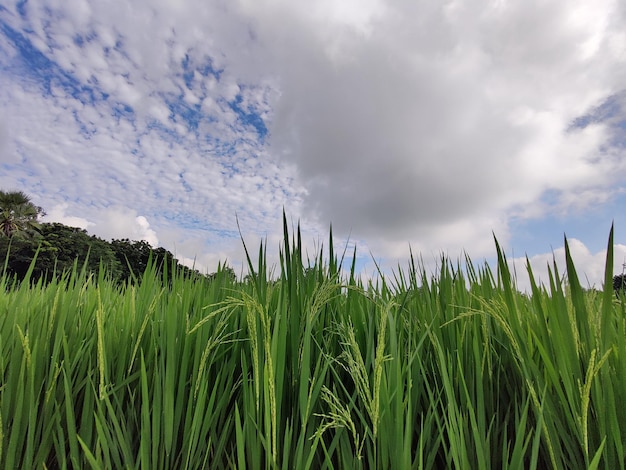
<point>427,126</point>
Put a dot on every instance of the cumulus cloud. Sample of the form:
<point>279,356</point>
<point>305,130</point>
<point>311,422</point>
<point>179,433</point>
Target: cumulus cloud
<point>59,215</point>
<point>589,266</point>
<point>108,223</point>
<point>444,113</point>
<point>122,223</point>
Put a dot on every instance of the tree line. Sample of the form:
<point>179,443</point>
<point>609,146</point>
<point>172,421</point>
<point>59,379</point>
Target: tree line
<point>56,248</point>
<point>50,249</point>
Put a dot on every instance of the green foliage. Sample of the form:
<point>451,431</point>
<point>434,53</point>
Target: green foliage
<point>57,250</point>
<point>18,215</point>
<point>135,256</point>
<point>313,370</point>
<point>54,249</point>
<point>619,284</point>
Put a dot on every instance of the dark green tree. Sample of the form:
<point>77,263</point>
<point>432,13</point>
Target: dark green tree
<point>619,284</point>
<point>134,257</point>
<point>224,273</point>
<point>18,215</point>
<point>56,250</point>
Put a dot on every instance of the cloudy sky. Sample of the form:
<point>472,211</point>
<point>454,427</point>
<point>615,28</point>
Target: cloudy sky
<point>430,124</point>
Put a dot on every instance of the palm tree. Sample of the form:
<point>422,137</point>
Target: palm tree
<point>18,215</point>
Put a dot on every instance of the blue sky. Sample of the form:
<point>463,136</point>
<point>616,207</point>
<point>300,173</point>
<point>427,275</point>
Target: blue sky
<point>430,125</point>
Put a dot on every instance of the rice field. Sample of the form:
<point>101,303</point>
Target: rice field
<point>310,368</point>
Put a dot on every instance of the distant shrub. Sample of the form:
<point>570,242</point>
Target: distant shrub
<point>619,284</point>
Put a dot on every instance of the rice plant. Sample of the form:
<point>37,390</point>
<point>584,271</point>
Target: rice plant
<point>312,368</point>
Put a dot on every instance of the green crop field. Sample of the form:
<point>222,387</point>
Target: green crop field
<point>310,368</point>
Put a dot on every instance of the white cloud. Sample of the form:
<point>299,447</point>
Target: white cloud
<point>589,266</point>
<point>59,215</point>
<point>4,142</point>
<point>122,223</point>
<point>419,124</point>
<point>108,223</point>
